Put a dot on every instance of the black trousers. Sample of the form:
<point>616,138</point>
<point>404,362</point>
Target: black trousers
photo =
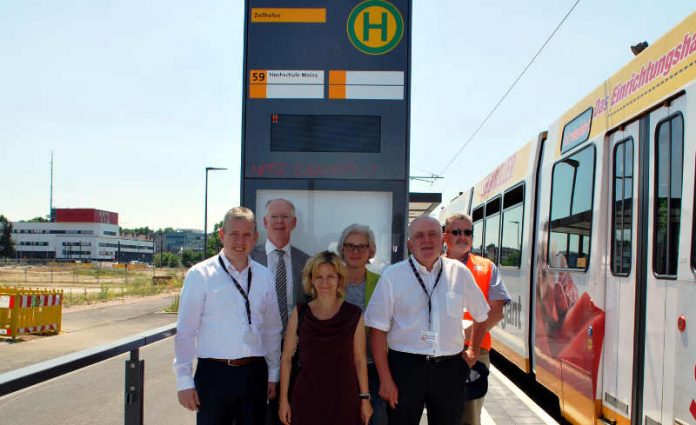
<point>437,384</point>
<point>231,395</point>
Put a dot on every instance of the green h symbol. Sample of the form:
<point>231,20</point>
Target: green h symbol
<point>367,26</point>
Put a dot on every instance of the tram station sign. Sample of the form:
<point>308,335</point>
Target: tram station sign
<point>347,59</point>
<point>326,100</point>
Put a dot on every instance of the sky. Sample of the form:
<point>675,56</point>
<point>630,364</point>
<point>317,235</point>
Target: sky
<point>136,98</point>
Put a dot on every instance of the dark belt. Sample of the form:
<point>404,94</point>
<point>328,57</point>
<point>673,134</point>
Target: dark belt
<point>234,362</point>
<point>425,357</point>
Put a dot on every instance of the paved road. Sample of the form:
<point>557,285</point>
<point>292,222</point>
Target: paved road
<point>86,328</point>
<point>94,395</point>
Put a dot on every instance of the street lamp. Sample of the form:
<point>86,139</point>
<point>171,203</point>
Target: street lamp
<point>205,209</point>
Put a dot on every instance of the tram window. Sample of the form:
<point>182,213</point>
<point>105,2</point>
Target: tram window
<point>511,237</point>
<point>622,213</point>
<point>325,133</point>
<point>570,228</point>
<point>477,241</point>
<point>669,157</point>
<point>492,230</point>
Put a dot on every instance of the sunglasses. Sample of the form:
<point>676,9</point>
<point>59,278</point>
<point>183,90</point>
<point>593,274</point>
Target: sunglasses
<point>465,232</point>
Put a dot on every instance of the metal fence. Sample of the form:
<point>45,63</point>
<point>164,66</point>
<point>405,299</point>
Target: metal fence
<point>41,273</point>
<point>134,369</point>
<point>86,282</point>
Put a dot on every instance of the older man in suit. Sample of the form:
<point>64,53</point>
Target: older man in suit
<point>285,262</point>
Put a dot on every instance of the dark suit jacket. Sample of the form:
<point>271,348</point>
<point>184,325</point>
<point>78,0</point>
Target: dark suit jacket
<point>298,258</point>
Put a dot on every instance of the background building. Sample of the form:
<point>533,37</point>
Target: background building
<point>84,234</point>
<point>183,239</point>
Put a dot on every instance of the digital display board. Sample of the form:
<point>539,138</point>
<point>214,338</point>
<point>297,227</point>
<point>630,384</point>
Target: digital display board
<point>325,133</point>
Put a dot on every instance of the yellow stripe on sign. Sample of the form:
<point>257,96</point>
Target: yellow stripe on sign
<point>257,91</point>
<point>337,77</point>
<point>337,91</point>
<point>306,16</point>
<point>257,83</point>
<point>257,76</point>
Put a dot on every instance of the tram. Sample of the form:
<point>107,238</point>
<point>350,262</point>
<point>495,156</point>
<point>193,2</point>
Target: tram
<point>591,224</point>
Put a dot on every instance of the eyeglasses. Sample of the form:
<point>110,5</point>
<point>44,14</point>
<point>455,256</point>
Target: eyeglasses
<point>355,248</point>
<point>465,232</point>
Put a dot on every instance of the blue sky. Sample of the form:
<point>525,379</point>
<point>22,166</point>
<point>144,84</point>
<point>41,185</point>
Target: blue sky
<point>137,98</point>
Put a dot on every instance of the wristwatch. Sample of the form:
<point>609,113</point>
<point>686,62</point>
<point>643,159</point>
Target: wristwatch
<point>364,396</point>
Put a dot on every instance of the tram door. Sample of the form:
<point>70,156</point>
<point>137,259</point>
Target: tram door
<point>670,353</point>
<point>621,273</point>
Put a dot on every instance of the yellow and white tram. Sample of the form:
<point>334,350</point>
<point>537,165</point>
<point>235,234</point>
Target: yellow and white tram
<point>592,226</point>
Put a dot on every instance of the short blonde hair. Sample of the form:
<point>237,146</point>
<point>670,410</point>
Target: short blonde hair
<point>239,213</point>
<point>324,257</point>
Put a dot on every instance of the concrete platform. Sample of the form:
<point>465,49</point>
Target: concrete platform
<point>507,404</point>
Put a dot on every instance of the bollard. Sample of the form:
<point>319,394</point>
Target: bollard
<point>135,383</point>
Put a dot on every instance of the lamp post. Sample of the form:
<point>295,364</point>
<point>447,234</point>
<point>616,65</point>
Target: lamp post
<point>205,209</point>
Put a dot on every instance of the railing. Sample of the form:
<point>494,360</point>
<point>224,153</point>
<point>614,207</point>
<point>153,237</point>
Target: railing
<point>134,373</point>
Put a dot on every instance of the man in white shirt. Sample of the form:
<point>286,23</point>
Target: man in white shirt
<point>228,319</point>
<point>417,334</point>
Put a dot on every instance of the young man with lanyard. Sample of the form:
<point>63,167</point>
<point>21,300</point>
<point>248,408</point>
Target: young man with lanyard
<point>458,238</point>
<point>417,335</point>
<point>228,319</point>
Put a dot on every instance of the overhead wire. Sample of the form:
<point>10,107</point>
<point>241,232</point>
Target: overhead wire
<point>514,83</point>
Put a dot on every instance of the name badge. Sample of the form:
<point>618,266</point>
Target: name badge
<point>428,336</point>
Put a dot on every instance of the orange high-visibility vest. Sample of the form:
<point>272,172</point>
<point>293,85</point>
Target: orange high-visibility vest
<point>481,268</point>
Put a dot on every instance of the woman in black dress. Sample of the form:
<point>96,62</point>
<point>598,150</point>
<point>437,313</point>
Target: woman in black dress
<point>331,385</point>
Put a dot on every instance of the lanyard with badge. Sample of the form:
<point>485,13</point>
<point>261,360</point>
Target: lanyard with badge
<point>427,335</point>
<point>249,336</point>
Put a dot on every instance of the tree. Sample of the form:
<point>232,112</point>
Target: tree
<point>38,219</point>
<point>7,248</point>
<point>214,242</point>
<point>167,259</point>
<point>146,231</point>
<point>190,257</point>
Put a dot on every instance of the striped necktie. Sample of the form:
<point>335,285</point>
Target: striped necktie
<point>281,288</point>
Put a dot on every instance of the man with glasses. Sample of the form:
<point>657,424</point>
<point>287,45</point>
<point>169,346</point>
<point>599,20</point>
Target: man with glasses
<point>458,238</point>
<point>285,262</point>
<point>357,246</point>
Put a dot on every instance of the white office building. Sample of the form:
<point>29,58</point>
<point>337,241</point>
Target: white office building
<point>79,234</point>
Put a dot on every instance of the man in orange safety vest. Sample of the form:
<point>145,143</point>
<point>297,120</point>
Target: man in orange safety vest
<point>458,238</point>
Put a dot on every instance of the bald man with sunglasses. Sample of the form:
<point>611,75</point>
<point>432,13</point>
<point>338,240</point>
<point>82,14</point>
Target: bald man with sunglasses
<point>458,238</point>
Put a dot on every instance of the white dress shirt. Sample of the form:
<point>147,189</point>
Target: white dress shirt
<point>213,318</point>
<point>400,307</point>
<point>272,259</point>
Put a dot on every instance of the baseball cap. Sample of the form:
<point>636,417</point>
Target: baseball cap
<point>477,382</point>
